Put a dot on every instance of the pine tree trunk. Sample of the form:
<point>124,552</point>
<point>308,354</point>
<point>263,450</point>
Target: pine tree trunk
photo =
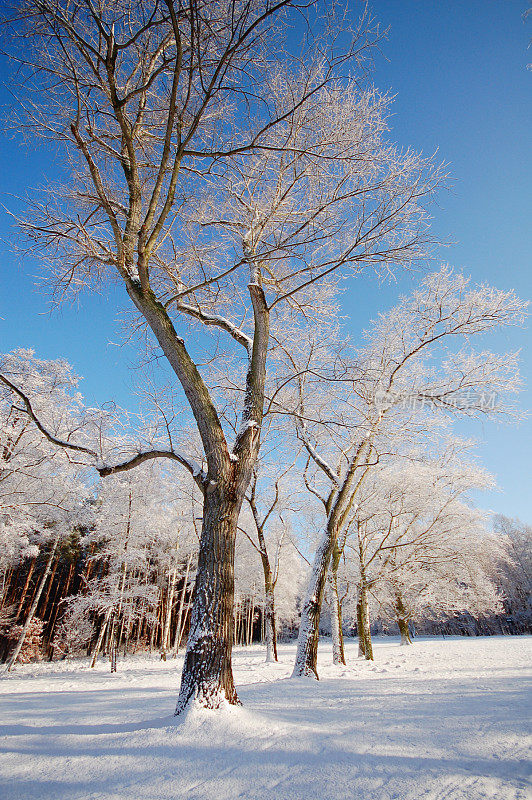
<point>35,602</point>
<point>26,584</point>
<point>48,591</point>
<point>179,626</point>
<point>165,644</point>
<point>207,672</point>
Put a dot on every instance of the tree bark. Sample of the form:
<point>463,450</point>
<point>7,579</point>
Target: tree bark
<point>207,673</point>
<point>404,631</point>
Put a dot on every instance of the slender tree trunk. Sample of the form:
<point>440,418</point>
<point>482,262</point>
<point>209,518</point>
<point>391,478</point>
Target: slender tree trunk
<point>101,635</point>
<point>165,644</point>
<point>207,672</point>
<point>360,630</point>
<point>6,583</point>
<point>178,630</point>
<point>309,629</point>
<point>336,628</point>
<point>364,624</point>
<point>249,637</point>
<point>113,648</point>
<point>336,609</point>
<point>55,612</point>
<point>49,589</point>
<point>270,625</point>
<point>25,588</point>
<point>35,602</point>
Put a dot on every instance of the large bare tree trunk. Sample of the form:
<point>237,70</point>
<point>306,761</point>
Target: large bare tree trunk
<point>207,672</point>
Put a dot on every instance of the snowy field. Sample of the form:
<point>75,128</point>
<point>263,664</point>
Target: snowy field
<point>441,720</point>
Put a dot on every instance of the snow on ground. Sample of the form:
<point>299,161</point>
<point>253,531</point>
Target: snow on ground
<point>441,720</point>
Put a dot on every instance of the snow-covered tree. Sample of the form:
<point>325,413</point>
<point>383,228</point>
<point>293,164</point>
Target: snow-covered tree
<point>515,572</point>
<point>394,390</point>
<point>219,172</point>
<point>422,549</point>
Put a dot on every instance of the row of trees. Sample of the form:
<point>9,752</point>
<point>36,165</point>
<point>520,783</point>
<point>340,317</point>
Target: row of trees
<point>411,546</point>
<point>230,166</point>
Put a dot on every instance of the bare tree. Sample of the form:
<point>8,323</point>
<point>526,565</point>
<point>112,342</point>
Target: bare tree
<point>216,174</point>
<point>387,392</point>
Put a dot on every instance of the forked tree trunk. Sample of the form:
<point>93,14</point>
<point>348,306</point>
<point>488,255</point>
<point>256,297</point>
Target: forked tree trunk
<point>402,620</point>
<point>338,505</point>
<point>207,672</point>
<point>404,631</point>
<point>270,627</point>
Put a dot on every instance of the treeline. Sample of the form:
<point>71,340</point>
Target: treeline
<point>83,610</point>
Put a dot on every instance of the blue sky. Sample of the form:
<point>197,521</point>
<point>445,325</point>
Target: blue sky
<point>458,70</point>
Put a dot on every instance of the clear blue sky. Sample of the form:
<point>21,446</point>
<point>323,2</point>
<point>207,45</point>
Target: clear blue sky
<point>458,69</point>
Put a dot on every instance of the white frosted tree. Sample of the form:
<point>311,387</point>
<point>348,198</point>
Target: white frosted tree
<point>42,493</point>
<point>421,548</point>
<point>218,172</point>
<point>393,391</point>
